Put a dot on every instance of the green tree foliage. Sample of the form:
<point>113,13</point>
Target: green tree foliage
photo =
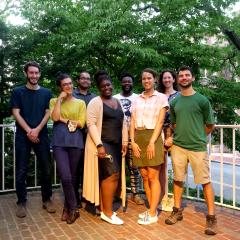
<point>124,35</point>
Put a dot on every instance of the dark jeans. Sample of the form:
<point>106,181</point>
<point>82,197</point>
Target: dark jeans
<point>67,160</point>
<point>23,151</point>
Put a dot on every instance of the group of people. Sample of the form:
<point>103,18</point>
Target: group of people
<point>93,136</point>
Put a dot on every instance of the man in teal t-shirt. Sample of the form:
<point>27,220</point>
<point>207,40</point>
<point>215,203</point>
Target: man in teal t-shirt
<point>192,117</point>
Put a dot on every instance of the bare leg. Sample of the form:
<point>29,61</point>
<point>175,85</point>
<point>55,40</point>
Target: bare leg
<point>163,178</point>
<point>144,174</point>
<point>177,191</point>
<point>108,189</point>
<point>155,189</point>
<point>209,197</point>
<point>100,199</point>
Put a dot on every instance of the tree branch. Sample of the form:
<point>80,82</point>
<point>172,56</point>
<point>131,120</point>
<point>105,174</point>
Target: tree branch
<point>234,38</point>
<point>147,7</point>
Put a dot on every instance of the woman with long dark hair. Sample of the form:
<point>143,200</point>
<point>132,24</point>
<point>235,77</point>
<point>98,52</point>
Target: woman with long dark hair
<point>68,115</point>
<point>167,84</point>
<point>106,142</point>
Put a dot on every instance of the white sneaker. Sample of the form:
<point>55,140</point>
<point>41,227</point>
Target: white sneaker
<point>114,213</point>
<point>148,219</point>
<point>113,220</point>
<point>143,214</point>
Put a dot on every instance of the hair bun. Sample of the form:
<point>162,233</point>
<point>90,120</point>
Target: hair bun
<point>60,76</point>
<point>99,74</point>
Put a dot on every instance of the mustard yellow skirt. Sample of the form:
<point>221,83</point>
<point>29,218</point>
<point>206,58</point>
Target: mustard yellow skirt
<point>142,138</point>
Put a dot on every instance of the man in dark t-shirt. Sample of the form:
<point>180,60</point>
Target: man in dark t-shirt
<point>82,92</point>
<point>30,108</point>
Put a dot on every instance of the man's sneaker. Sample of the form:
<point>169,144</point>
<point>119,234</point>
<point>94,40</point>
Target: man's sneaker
<point>148,219</point>
<point>175,216</point>
<point>49,206</point>
<point>21,211</point>
<point>138,199</point>
<point>211,225</point>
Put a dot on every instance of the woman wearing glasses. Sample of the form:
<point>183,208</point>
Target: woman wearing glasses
<point>68,115</point>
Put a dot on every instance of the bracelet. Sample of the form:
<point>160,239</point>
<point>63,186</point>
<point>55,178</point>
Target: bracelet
<point>99,145</point>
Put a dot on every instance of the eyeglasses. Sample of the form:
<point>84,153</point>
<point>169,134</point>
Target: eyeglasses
<point>84,78</point>
<point>66,84</point>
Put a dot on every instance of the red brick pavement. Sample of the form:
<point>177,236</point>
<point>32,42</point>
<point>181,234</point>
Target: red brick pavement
<point>40,225</point>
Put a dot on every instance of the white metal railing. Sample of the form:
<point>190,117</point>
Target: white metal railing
<point>224,175</point>
<point>8,162</point>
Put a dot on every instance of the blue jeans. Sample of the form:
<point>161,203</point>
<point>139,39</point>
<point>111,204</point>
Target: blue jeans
<point>23,148</point>
<point>67,160</point>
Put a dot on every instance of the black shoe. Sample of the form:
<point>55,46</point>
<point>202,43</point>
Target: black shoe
<point>65,214</point>
<point>73,215</point>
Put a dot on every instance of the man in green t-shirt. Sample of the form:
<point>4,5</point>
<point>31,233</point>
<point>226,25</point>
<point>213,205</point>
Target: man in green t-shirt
<point>192,117</point>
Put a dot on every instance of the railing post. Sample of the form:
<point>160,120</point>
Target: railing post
<point>209,151</point>
<point>35,170</point>
<point>3,160</point>
<point>14,158</point>
<point>187,185</point>
<point>234,166</point>
<point>221,165</point>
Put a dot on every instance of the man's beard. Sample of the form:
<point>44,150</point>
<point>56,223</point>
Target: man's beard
<point>32,83</point>
<point>185,86</point>
<point>127,90</point>
<point>84,87</point>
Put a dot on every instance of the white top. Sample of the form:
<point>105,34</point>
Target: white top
<point>126,103</point>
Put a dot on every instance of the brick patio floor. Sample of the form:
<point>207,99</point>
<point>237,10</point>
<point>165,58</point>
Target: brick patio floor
<point>40,225</point>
